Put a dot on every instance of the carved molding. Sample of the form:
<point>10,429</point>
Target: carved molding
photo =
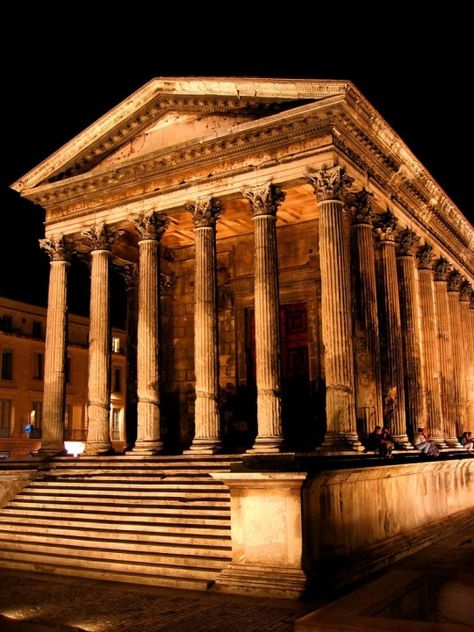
<point>151,225</point>
<point>359,206</point>
<point>330,183</point>
<point>264,200</point>
<point>455,280</point>
<point>205,212</point>
<point>100,237</point>
<point>57,249</point>
<point>384,227</point>
<point>426,257</point>
<point>407,242</point>
<point>442,269</point>
<point>465,292</point>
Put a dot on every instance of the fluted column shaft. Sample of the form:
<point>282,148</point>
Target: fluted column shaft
<point>131,281</point>
<point>264,203</point>
<point>150,227</point>
<point>54,394</point>
<point>431,346</point>
<point>415,402</point>
<point>368,386</point>
<point>207,437</point>
<point>467,334</point>
<point>470,409</point>
<point>336,313</point>
<point>442,270</point>
<point>459,380</point>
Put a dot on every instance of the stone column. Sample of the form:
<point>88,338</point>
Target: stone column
<point>336,314</point>
<point>150,227</point>
<point>470,409</point>
<point>391,332</point>
<point>441,271</point>
<point>429,322</point>
<point>207,436</point>
<point>468,344</point>
<point>366,330</point>
<point>455,281</point>
<point>415,404</point>
<point>264,203</point>
<point>99,240</point>
<point>54,396</point>
<point>130,276</point>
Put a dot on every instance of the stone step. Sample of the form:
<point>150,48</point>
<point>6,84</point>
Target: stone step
<point>105,551</point>
<point>187,583</point>
<point>18,553</point>
<point>145,486</point>
<point>177,519</point>
<point>162,529</point>
<point>220,546</point>
<point>197,493</point>
<point>144,499</point>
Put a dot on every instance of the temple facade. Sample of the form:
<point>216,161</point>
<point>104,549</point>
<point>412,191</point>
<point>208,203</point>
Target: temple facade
<point>294,274</point>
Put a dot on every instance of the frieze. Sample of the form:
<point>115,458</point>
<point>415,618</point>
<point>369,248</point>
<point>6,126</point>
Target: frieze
<point>407,242</point>
<point>264,200</point>
<point>58,248</point>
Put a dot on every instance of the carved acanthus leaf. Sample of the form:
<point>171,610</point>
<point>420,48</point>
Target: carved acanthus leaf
<point>100,237</point>
<point>426,257</point>
<point>359,205</point>
<point>465,292</point>
<point>407,242</point>
<point>384,226</point>
<point>264,200</point>
<point>57,248</point>
<point>330,183</point>
<point>455,280</point>
<point>151,225</point>
<point>205,212</point>
<point>442,269</point>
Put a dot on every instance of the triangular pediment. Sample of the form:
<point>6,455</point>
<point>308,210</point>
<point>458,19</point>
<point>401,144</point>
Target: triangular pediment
<point>171,111</point>
<point>173,129</point>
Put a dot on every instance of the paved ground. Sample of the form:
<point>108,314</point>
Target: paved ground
<point>45,603</point>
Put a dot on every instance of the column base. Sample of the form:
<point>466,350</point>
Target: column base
<point>262,580</point>
<point>340,443</point>
<point>50,450</point>
<point>146,448</point>
<point>402,442</point>
<point>453,443</point>
<point>267,445</point>
<point>98,448</point>
<point>439,441</point>
<point>204,446</point>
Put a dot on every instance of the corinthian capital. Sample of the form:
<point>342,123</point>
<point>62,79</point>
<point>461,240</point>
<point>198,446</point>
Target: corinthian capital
<point>151,225</point>
<point>330,183</point>
<point>384,226</point>
<point>264,200</point>
<point>465,292</point>
<point>426,257</point>
<point>205,212</point>
<point>359,205</point>
<point>455,280</point>
<point>407,241</point>
<point>57,248</point>
<point>442,269</point>
<point>100,237</point>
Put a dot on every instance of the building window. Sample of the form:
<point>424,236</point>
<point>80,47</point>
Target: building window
<point>38,366</point>
<point>5,417</point>
<point>67,369</point>
<point>7,364</point>
<point>37,329</point>
<point>6,323</point>
<point>115,424</point>
<point>116,345</point>
<point>117,381</point>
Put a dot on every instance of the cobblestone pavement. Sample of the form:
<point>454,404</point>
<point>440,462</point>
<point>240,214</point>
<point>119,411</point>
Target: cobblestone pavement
<point>66,604</point>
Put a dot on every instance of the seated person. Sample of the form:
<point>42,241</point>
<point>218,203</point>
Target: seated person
<point>424,443</point>
<point>467,441</point>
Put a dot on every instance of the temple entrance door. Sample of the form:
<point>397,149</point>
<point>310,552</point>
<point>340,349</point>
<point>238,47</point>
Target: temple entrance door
<point>296,388</point>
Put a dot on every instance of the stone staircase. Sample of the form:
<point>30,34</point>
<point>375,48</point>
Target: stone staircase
<point>162,521</point>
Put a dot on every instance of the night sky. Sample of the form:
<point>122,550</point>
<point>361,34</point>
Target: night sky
<point>413,75</point>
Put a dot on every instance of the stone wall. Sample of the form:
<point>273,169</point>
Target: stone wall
<point>358,520</point>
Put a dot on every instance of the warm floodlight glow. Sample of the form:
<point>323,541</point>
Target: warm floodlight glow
<point>74,447</point>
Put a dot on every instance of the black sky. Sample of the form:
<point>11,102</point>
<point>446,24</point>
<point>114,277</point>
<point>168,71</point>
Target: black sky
<point>416,73</point>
